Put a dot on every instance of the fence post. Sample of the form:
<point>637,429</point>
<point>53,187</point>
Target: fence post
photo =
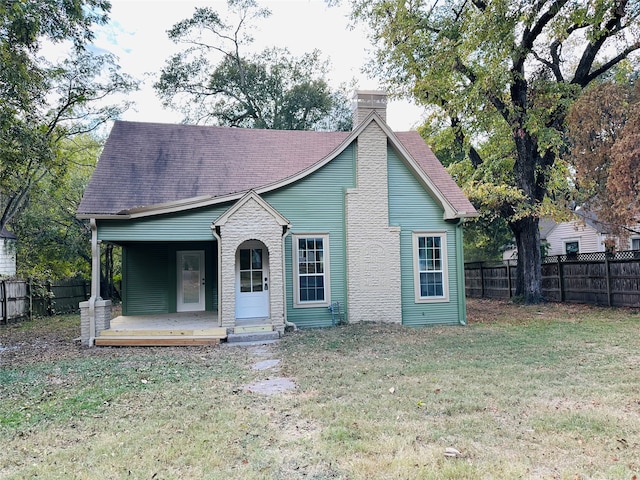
<point>509,276</point>
<point>561,277</point>
<point>608,274</point>
<point>49,300</point>
<point>5,303</point>
<point>481,281</point>
<point>30,298</point>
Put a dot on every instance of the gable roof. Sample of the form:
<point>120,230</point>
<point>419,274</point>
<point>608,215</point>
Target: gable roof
<point>253,196</point>
<point>584,216</point>
<point>152,168</point>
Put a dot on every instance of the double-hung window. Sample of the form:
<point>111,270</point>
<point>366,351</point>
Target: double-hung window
<point>311,270</point>
<point>430,266</point>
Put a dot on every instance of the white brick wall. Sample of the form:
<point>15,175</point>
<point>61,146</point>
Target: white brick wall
<point>251,222</point>
<point>373,247</point>
<point>7,257</point>
<point>102,312</point>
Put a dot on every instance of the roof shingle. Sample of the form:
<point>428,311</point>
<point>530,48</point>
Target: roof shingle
<point>145,164</point>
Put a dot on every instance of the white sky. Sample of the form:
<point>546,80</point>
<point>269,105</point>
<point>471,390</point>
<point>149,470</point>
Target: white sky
<point>137,35</point>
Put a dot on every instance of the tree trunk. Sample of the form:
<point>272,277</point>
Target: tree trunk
<point>532,181</point>
<point>528,272</point>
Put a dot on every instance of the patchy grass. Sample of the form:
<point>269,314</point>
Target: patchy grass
<point>549,391</point>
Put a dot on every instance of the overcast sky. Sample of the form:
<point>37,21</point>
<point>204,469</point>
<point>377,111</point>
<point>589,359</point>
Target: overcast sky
<point>137,35</point>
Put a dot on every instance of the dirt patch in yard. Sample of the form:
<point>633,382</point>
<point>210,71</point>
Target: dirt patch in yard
<point>55,338</point>
<point>271,386</point>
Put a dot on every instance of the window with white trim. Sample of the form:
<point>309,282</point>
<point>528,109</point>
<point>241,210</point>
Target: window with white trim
<point>635,244</point>
<point>430,266</point>
<point>311,269</point>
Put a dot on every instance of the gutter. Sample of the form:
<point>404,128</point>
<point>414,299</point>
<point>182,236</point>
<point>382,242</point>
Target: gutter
<point>462,301</point>
<point>286,230</point>
<point>219,272</point>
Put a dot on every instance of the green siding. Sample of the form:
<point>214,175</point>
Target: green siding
<point>150,280</point>
<point>190,225</point>
<point>412,209</point>
<point>145,280</point>
<point>315,204</point>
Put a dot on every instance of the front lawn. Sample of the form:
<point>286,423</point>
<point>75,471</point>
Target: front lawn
<point>550,391</point>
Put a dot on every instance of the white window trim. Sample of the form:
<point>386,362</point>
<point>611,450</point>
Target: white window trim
<point>296,283</point>
<point>445,267</point>
<point>570,240</point>
<point>631,241</point>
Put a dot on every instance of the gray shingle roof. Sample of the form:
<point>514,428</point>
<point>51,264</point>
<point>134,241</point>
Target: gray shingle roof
<point>145,164</point>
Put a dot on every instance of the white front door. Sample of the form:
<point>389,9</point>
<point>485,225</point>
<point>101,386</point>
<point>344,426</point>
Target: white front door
<point>252,281</point>
<point>191,281</point>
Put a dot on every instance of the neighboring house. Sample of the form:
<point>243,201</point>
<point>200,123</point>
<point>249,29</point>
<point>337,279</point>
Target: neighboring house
<point>7,253</point>
<point>279,225</point>
<point>584,234</point>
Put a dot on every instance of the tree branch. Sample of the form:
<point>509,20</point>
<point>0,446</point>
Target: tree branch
<point>582,75</point>
<point>530,35</point>
<point>474,156</point>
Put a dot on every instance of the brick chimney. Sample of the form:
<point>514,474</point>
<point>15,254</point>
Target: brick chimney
<point>365,101</point>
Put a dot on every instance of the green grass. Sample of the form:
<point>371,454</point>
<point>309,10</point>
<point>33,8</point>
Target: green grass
<point>549,391</point>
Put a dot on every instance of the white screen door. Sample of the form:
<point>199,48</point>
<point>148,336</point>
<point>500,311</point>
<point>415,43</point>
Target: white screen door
<point>252,281</point>
<point>191,281</point>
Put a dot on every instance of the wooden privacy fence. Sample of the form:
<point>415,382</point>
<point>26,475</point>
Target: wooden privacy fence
<point>594,278</point>
<point>22,298</point>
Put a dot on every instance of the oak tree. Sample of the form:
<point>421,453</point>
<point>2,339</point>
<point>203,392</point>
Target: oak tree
<point>500,75</point>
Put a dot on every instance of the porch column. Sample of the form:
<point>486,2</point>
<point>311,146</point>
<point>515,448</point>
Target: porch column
<point>88,315</point>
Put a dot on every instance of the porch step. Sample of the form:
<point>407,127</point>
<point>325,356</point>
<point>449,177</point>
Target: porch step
<point>253,337</point>
<point>155,340</point>
<point>209,332</point>
<point>253,329</point>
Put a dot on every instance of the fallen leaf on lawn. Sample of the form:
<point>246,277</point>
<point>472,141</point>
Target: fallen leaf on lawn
<point>452,452</point>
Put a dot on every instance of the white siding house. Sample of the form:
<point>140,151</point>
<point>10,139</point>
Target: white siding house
<point>585,234</point>
<point>7,254</point>
<point>576,236</point>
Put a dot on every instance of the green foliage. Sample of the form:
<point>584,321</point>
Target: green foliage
<point>45,102</point>
<point>212,81</point>
<point>53,243</point>
<point>499,77</point>
<point>485,239</point>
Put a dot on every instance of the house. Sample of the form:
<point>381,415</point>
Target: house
<point>278,227</point>
<point>584,234</point>
<point>7,253</point>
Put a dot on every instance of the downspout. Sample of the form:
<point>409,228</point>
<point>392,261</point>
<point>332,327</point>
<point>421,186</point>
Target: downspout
<point>462,300</point>
<point>216,234</point>
<point>286,230</point>
<point>95,280</point>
